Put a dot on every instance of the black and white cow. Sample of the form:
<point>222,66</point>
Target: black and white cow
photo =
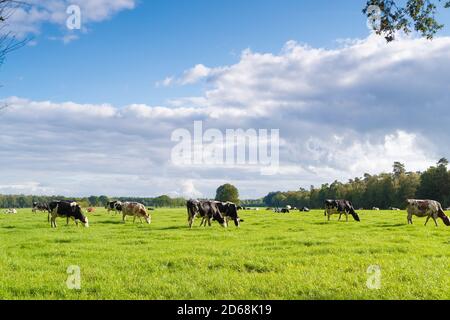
<point>115,206</point>
<point>38,206</point>
<point>230,212</point>
<point>68,210</point>
<point>426,208</point>
<point>207,210</point>
<point>340,207</point>
<point>304,209</point>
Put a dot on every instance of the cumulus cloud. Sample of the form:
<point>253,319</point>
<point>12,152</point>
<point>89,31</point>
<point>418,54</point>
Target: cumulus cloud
<point>191,76</point>
<point>30,17</point>
<point>341,113</point>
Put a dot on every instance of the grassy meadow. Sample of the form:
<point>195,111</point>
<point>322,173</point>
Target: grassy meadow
<point>272,256</point>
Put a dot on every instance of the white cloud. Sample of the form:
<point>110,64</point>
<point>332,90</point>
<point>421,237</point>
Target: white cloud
<point>29,18</point>
<point>341,113</point>
<point>191,76</point>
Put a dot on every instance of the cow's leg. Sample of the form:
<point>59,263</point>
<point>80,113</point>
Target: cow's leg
<point>67,221</point>
<point>410,219</point>
<point>191,220</point>
<point>123,217</point>
<point>53,220</point>
<point>428,219</point>
<point>340,216</point>
<point>435,221</point>
<point>346,216</point>
<point>134,219</point>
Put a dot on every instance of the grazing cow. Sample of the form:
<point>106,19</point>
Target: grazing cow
<point>207,210</point>
<point>137,210</point>
<point>43,207</point>
<point>448,209</point>
<point>376,209</point>
<point>340,207</point>
<point>229,211</point>
<point>394,209</point>
<point>304,209</point>
<point>115,206</point>
<point>11,211</point>
<point>426,208</point>
<point>67,209</point>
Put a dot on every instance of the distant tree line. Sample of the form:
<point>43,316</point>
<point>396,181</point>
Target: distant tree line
<point>26,201</point>
<point>384,190</point>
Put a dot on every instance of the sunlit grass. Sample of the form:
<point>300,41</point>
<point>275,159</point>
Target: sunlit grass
<point>272,256</point>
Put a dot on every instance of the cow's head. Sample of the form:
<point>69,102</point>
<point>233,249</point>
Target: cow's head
<point>78,214</point>
<point>220,219</point>
<point>446,221</point>
<point>444,218</point>
<point>232,212</point>
<point>145,215</point>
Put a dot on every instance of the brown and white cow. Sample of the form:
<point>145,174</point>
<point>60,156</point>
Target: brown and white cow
<point>137,210</point>
<point>426,208</point>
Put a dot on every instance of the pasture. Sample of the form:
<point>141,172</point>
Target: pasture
<point>272,256</point>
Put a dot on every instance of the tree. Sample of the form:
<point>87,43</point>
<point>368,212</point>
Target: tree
<point>8,40</point>
<point>103,200</point>
<point>443,162</point>
<point>389,17</point>
<point>227,192</point>
<point>93,201</point>
<point>399,169</point>
<point>279,200</point>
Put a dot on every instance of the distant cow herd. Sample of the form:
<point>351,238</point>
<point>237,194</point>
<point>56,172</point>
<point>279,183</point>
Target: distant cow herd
<point>224,212</point>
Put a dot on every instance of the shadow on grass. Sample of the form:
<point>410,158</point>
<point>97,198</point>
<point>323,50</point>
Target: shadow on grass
<point>175,228</point>
<point>109,222</point>
<point>391,225</point>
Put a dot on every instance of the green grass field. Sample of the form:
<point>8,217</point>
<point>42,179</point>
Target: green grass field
<point>272,256</point>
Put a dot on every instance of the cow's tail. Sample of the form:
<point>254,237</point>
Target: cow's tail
<point>441,214</point>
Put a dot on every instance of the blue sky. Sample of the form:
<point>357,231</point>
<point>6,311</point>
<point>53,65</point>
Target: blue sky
<point>95,115</point>
<point>119,60</point>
